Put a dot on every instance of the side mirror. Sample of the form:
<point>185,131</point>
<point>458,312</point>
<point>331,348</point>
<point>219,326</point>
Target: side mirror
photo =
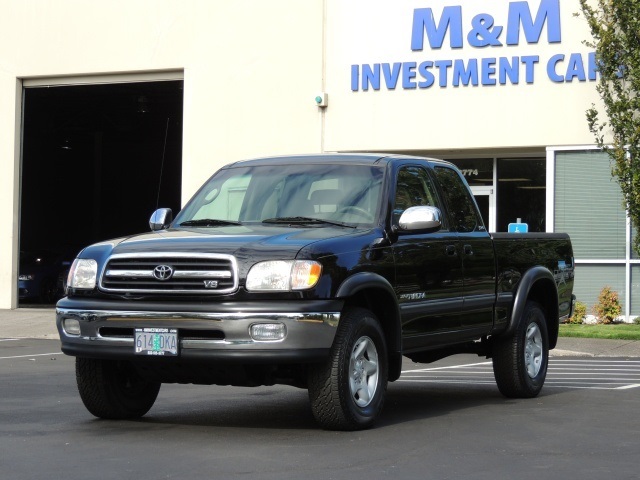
<point>161,219</point>
<point>420,218</point>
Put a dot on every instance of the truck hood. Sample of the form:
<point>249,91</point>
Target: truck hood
<point>275,242</point>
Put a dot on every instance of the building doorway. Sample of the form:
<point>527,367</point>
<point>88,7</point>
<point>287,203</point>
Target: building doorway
<point>96,159</point>
<point>485,198</point>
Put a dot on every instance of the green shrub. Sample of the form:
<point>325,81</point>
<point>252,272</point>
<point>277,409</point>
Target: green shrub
<point>579,313</point>
<point>608,307</point>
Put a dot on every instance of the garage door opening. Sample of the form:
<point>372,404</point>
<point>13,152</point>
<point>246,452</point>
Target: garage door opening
<point>96,160</point>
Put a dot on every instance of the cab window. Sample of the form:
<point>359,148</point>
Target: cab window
<point>461,207</point>
<point>413,189</point>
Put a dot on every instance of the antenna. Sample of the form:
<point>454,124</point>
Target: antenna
<point>164,149</point>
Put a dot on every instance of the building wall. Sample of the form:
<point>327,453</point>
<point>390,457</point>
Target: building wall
<point>366,33</point>
<point>252,68</point>
<point>251,72</point>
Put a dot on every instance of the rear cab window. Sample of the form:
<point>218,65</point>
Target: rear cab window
<point>460,205</point>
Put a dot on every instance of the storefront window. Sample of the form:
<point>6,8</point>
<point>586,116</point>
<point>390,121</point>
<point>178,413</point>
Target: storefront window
<point>635,290</point>
<point>589,205</point>
<point>522,193</point>
<point>478,172</point>
<point>590,279</point>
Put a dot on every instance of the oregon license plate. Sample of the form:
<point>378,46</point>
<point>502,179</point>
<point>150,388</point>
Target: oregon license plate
<point>156,341</point>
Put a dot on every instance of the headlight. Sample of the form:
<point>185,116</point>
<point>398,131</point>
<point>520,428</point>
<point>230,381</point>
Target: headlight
<point>25,278</point>
<point>83,274</point>
<point>283,275</point>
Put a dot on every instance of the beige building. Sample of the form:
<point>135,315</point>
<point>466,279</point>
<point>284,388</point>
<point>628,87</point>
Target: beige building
<point>498,87</point>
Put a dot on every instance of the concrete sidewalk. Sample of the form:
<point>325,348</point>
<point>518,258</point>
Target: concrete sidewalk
<point>41,323</point>
<point>28,323</point>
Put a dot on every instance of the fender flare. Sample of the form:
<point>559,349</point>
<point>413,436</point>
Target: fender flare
<point>528,281</point>
<point>365,280</point>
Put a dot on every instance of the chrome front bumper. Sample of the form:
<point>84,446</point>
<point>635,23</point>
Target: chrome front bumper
<point>110,333</point>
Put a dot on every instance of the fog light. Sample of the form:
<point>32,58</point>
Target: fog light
<point>71,326</point>
<point>268,332</point>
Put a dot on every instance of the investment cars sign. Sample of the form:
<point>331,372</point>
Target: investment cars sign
<point>494,37</point>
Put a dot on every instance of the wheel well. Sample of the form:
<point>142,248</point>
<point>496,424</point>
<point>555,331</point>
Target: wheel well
<point>384,306</point>
<point>544,292</point>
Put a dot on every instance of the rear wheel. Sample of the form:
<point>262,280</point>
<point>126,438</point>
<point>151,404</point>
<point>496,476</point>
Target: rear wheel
<point>113,389</point>
<point>520,361</point>
<point>347,392</point>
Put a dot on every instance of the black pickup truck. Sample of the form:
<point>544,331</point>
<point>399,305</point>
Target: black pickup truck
<point>318,271</point>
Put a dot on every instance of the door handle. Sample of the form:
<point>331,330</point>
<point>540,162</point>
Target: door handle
<point>468,250</point>
<point>450,250</point>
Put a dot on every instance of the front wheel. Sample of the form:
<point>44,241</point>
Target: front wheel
<point>347,392</point>
<point>520,361</point>
<point>114,390</point>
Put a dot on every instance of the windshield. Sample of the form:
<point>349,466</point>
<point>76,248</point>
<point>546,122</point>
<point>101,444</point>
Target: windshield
<point>338,194</point>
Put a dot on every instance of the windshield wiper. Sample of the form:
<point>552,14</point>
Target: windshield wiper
<point>208,222</point>
<point>291,220</point>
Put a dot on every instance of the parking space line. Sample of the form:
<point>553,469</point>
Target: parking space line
<point>466,382</point>
<point>446,368</point>
<point>579,387</point>
<point>591,360</point>
<point>568,374</point>
<point>628,387</point>
<point>29,356</point>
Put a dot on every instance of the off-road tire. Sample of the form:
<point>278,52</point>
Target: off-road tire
<point>347,391</point>
<point>113,389</point>
<point>520,361</point>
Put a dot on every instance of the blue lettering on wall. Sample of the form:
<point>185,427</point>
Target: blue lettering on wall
<point>593,67</point>
<point>563,70</point>
<point>575,68</point>
<point>530,62</point>
<point>391,74</point>
<point>442,66</point>
<point>488,70</point>
<point>483,33</point>
<point>509,69</point>
<point>371,76</point>
<point>425,73</point>
<point>465,73</point>
<point>520,15</point>
<point>431,29</point>
<point>471,72</point>
<point>408,75</point>
<point>551,68</point>
<point>423,20</point>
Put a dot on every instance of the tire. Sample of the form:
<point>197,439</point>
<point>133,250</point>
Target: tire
<point>520,361</point>
<point>347,391</point>
<point>114,390</point>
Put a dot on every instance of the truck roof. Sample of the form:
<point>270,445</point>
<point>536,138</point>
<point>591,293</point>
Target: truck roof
<point>339,158</point>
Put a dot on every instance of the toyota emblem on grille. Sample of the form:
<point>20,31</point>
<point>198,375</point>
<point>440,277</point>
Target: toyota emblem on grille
<point>163,272</point>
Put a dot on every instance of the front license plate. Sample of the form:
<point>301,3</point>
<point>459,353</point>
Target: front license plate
<point>156,341</point>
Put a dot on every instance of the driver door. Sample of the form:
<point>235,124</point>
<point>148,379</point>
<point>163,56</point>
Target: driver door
<point>429,281</point>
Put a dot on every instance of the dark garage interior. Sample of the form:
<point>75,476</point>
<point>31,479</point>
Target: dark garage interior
<point>96,161</point>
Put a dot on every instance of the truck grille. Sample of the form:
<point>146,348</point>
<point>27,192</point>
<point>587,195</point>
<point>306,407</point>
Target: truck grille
<point>186,273</point>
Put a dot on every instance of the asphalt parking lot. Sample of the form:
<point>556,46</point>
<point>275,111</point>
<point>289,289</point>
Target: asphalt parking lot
<point>563,373</point>
<point>442,420</point>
